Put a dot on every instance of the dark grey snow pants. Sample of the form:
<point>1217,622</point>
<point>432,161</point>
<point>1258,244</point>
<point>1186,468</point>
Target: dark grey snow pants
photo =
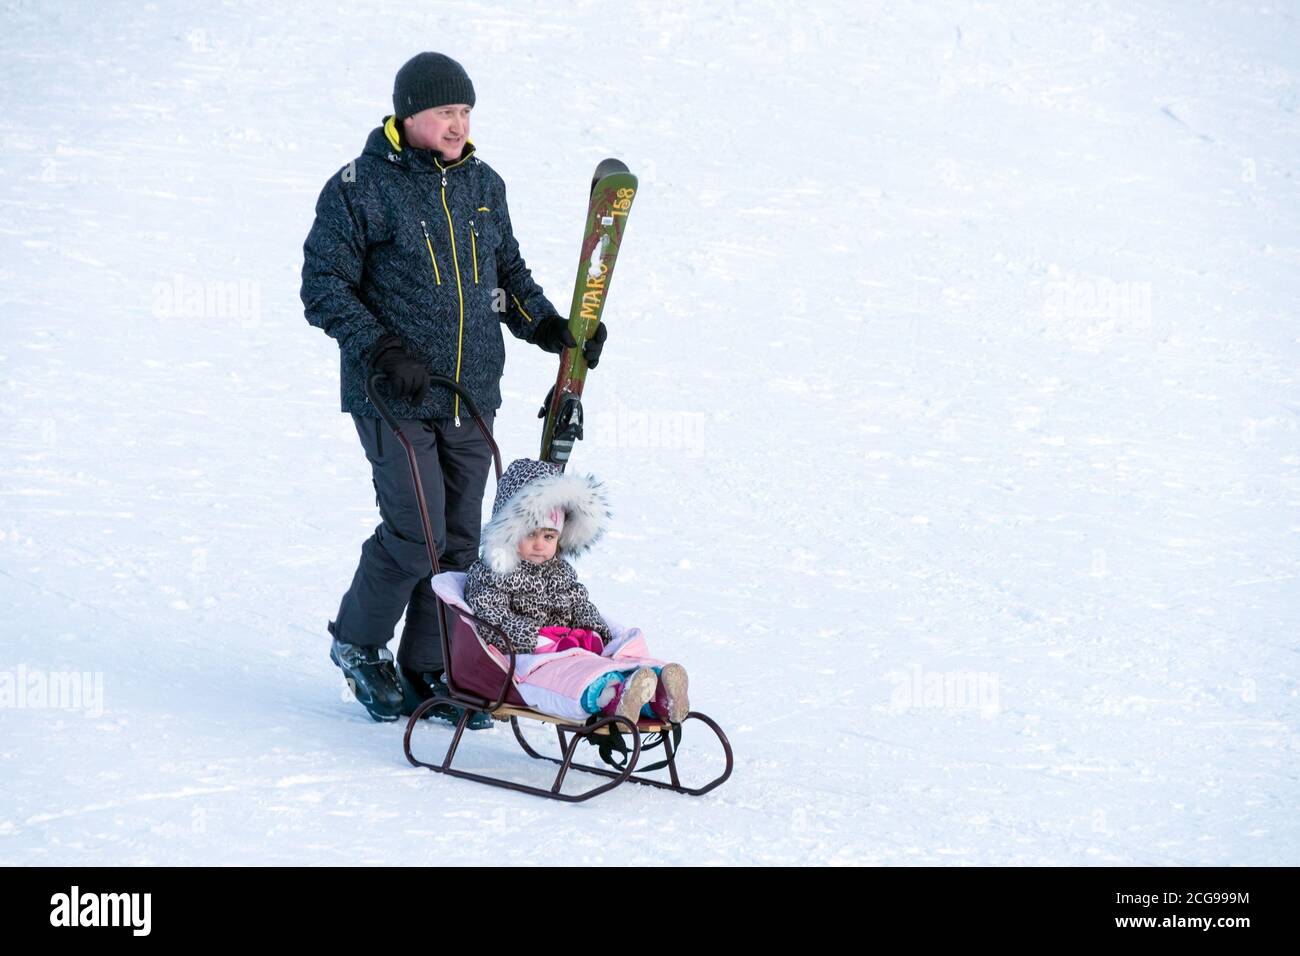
<point>393,574</point>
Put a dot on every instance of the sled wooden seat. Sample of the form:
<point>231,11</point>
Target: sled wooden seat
<point>506,711</point>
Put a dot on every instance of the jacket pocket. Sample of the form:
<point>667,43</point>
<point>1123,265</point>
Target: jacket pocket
<point>486,233</point>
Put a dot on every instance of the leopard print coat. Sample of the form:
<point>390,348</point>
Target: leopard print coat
<point>530,597</point>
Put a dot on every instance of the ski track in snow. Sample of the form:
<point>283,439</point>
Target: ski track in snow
<point>970,333</point>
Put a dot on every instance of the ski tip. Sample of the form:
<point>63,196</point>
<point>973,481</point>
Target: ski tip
<point>607,167</point>
<point>611,165</point>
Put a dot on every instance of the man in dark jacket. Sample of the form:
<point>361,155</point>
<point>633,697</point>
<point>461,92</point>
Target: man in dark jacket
<point>412,267</point>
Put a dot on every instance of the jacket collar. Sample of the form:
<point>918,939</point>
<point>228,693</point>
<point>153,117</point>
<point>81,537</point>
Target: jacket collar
<point>388,141</point>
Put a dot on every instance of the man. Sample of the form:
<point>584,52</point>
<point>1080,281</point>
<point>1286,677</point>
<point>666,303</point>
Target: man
<point>412,267</point>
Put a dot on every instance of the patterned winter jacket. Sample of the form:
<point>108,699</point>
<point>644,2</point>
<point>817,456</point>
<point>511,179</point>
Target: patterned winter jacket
<point>530,597</point>
<point>405,244</point>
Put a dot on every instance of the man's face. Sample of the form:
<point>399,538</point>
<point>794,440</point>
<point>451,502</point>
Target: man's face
<point>444,128</point>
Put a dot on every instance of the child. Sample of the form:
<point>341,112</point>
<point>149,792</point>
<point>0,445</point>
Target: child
<point>569,662</point>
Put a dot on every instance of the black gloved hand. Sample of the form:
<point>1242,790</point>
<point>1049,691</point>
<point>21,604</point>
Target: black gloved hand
<point>553,335</point>
<point>408,378</point>
<point>591,351</point>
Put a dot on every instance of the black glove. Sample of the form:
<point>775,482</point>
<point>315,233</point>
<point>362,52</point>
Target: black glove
<point>408,378</point>
<point>591,351</point>
<point>553,335</point>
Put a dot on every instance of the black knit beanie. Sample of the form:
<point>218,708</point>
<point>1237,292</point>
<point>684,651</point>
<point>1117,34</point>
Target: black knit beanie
<point>427,80</point>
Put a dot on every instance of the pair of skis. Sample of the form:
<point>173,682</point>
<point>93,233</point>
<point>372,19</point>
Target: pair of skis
<point>613,188</point>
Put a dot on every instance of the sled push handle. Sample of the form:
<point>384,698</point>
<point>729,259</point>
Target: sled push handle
<point>372,393</point>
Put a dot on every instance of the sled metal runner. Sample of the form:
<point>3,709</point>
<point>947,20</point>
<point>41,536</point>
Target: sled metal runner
<point>474,680</point>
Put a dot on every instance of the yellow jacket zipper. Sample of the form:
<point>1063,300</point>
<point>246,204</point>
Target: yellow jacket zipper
<point>460,292</point>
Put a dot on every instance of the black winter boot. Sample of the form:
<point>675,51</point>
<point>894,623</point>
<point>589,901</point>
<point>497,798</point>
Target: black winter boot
<point>419,686</point>
<point>370,674</point>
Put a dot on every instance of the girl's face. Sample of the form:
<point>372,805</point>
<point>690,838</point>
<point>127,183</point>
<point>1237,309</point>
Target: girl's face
<point>539,546</point>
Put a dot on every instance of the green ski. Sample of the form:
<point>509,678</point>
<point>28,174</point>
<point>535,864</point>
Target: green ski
<point>613,188</point>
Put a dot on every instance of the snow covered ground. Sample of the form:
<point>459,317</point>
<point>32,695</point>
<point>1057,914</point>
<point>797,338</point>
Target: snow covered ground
<point>949,414</point>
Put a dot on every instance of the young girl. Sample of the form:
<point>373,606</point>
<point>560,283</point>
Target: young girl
<point>569,661</point>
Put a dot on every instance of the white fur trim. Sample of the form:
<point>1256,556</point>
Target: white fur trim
<point>583,499</point>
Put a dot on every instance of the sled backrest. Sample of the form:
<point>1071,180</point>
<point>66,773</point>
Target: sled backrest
<point>473,670</point>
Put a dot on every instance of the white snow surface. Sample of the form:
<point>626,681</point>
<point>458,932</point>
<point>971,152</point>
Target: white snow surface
<point>949,415</point>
